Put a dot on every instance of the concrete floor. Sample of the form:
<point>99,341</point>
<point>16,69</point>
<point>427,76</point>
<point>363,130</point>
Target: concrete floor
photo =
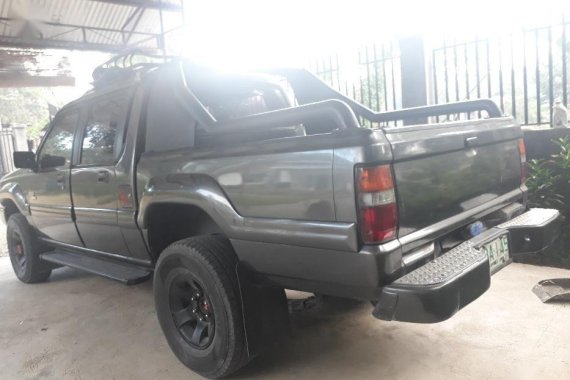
<point>78,326</point>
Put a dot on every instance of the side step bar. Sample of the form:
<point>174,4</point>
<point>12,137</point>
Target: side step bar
<point>126,273</point>
<point>440,288</point>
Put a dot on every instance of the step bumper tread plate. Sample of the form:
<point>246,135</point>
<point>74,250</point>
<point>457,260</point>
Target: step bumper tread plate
<point>535,217</point>
<point>438,289</point>
<point>534,231</point>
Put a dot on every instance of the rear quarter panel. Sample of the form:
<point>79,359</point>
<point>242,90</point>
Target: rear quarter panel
<point>294,185</point>
<point>302,178</point>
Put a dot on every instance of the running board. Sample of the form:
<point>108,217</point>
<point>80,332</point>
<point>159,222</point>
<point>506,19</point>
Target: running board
<point>126,273</point>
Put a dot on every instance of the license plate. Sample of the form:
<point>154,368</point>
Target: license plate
<point>498,252</point>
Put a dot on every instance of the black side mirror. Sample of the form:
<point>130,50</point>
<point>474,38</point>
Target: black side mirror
<point>25,160</point>
<point>49,161</point>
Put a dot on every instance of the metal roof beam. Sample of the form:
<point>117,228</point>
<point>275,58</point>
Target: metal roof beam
<point>128,38</point>
<point>68,45</point>
<point>149,4</point>
<point>78,27</point>
<point>12,81</point>
<point>118,40</point>
<point>131,17</point>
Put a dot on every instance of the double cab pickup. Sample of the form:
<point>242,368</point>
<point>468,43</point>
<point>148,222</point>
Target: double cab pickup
<point>230,187</point>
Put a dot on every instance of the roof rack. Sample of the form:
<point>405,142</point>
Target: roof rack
<point>126,66</point>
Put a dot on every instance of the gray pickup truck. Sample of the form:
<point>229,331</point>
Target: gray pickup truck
<point>234,187</point>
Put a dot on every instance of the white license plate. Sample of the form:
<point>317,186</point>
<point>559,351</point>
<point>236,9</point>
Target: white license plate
<point>498,252</point>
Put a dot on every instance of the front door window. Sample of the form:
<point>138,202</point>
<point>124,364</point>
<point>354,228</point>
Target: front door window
<point>59,142</point>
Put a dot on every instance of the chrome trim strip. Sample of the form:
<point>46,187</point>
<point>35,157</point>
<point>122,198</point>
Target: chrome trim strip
<point>418,254</point>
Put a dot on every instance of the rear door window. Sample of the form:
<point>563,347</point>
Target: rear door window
<point>103,135</point>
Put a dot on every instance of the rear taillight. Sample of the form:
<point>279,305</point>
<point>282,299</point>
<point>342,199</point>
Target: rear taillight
<point>377,204</point>
<point>522,154</point>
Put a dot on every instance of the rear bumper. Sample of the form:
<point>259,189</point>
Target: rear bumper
<point>437,290</point>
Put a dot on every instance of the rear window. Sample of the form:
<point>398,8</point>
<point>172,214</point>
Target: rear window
<point>232,102</point>
<point>236,95</point>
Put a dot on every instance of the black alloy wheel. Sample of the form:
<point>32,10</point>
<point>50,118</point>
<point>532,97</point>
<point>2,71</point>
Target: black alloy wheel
<point>192,312</point>
<point>24,251</point>
<point>18,248</point>
<point>198,305</point>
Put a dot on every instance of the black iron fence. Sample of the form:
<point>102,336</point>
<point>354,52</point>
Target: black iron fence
<point>373,79</point>
<point>526,72</point>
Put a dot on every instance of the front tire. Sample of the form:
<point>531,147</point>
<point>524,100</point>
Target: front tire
<point>198,305</point>
<point>24,251</point>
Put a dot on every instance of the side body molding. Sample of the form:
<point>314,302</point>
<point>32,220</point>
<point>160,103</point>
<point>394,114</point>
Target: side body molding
<point>202,191</point>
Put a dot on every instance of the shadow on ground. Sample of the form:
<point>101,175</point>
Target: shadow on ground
<point>79,326</point>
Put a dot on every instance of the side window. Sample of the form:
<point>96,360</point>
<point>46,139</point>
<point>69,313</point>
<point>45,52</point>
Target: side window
<point>103,135</point>
<point>59,142</point>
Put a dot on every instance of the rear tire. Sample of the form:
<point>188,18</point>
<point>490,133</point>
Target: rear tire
<point>24,250</point>
<point>198,305</point>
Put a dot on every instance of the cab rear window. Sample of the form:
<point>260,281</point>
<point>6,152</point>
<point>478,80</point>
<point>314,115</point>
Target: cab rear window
<point>226,104</point>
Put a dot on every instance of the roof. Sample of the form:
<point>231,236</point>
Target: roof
<point>103,25</point>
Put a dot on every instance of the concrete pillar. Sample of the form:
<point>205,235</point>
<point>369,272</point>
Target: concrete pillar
<point>414,74</point>
<point>20,138</point>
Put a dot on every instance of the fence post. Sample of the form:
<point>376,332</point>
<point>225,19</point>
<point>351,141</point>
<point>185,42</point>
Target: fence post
<point>414,74</point>
<point>20,138</point>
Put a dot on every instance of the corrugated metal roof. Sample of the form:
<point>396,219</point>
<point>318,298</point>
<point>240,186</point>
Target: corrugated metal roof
<point>88,24</point>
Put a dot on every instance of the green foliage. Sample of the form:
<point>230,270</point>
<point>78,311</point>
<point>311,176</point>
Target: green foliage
<point>542,184</point>
<point>549,186</point>
<point>25,106</point>
<point>549,179</point>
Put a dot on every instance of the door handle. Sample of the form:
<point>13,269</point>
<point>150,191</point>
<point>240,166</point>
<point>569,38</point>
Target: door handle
<point>103,176</point>
<point>60,179</point>
<point>470,141</point>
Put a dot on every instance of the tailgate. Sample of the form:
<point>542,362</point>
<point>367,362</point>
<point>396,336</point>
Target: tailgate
<point>442,170</point>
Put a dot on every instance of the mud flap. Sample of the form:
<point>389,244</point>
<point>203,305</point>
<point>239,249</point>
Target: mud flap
<point>265,312</point>
<point>553,290</point>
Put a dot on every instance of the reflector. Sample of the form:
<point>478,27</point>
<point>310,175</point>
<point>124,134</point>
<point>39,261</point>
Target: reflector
<point>376,178</point>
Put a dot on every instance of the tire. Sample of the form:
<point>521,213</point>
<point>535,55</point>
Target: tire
<point>195,284</point>
<point>24,251</point>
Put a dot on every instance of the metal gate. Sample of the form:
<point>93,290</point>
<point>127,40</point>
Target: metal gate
<point>6,150</point>
<point>525,71</point>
